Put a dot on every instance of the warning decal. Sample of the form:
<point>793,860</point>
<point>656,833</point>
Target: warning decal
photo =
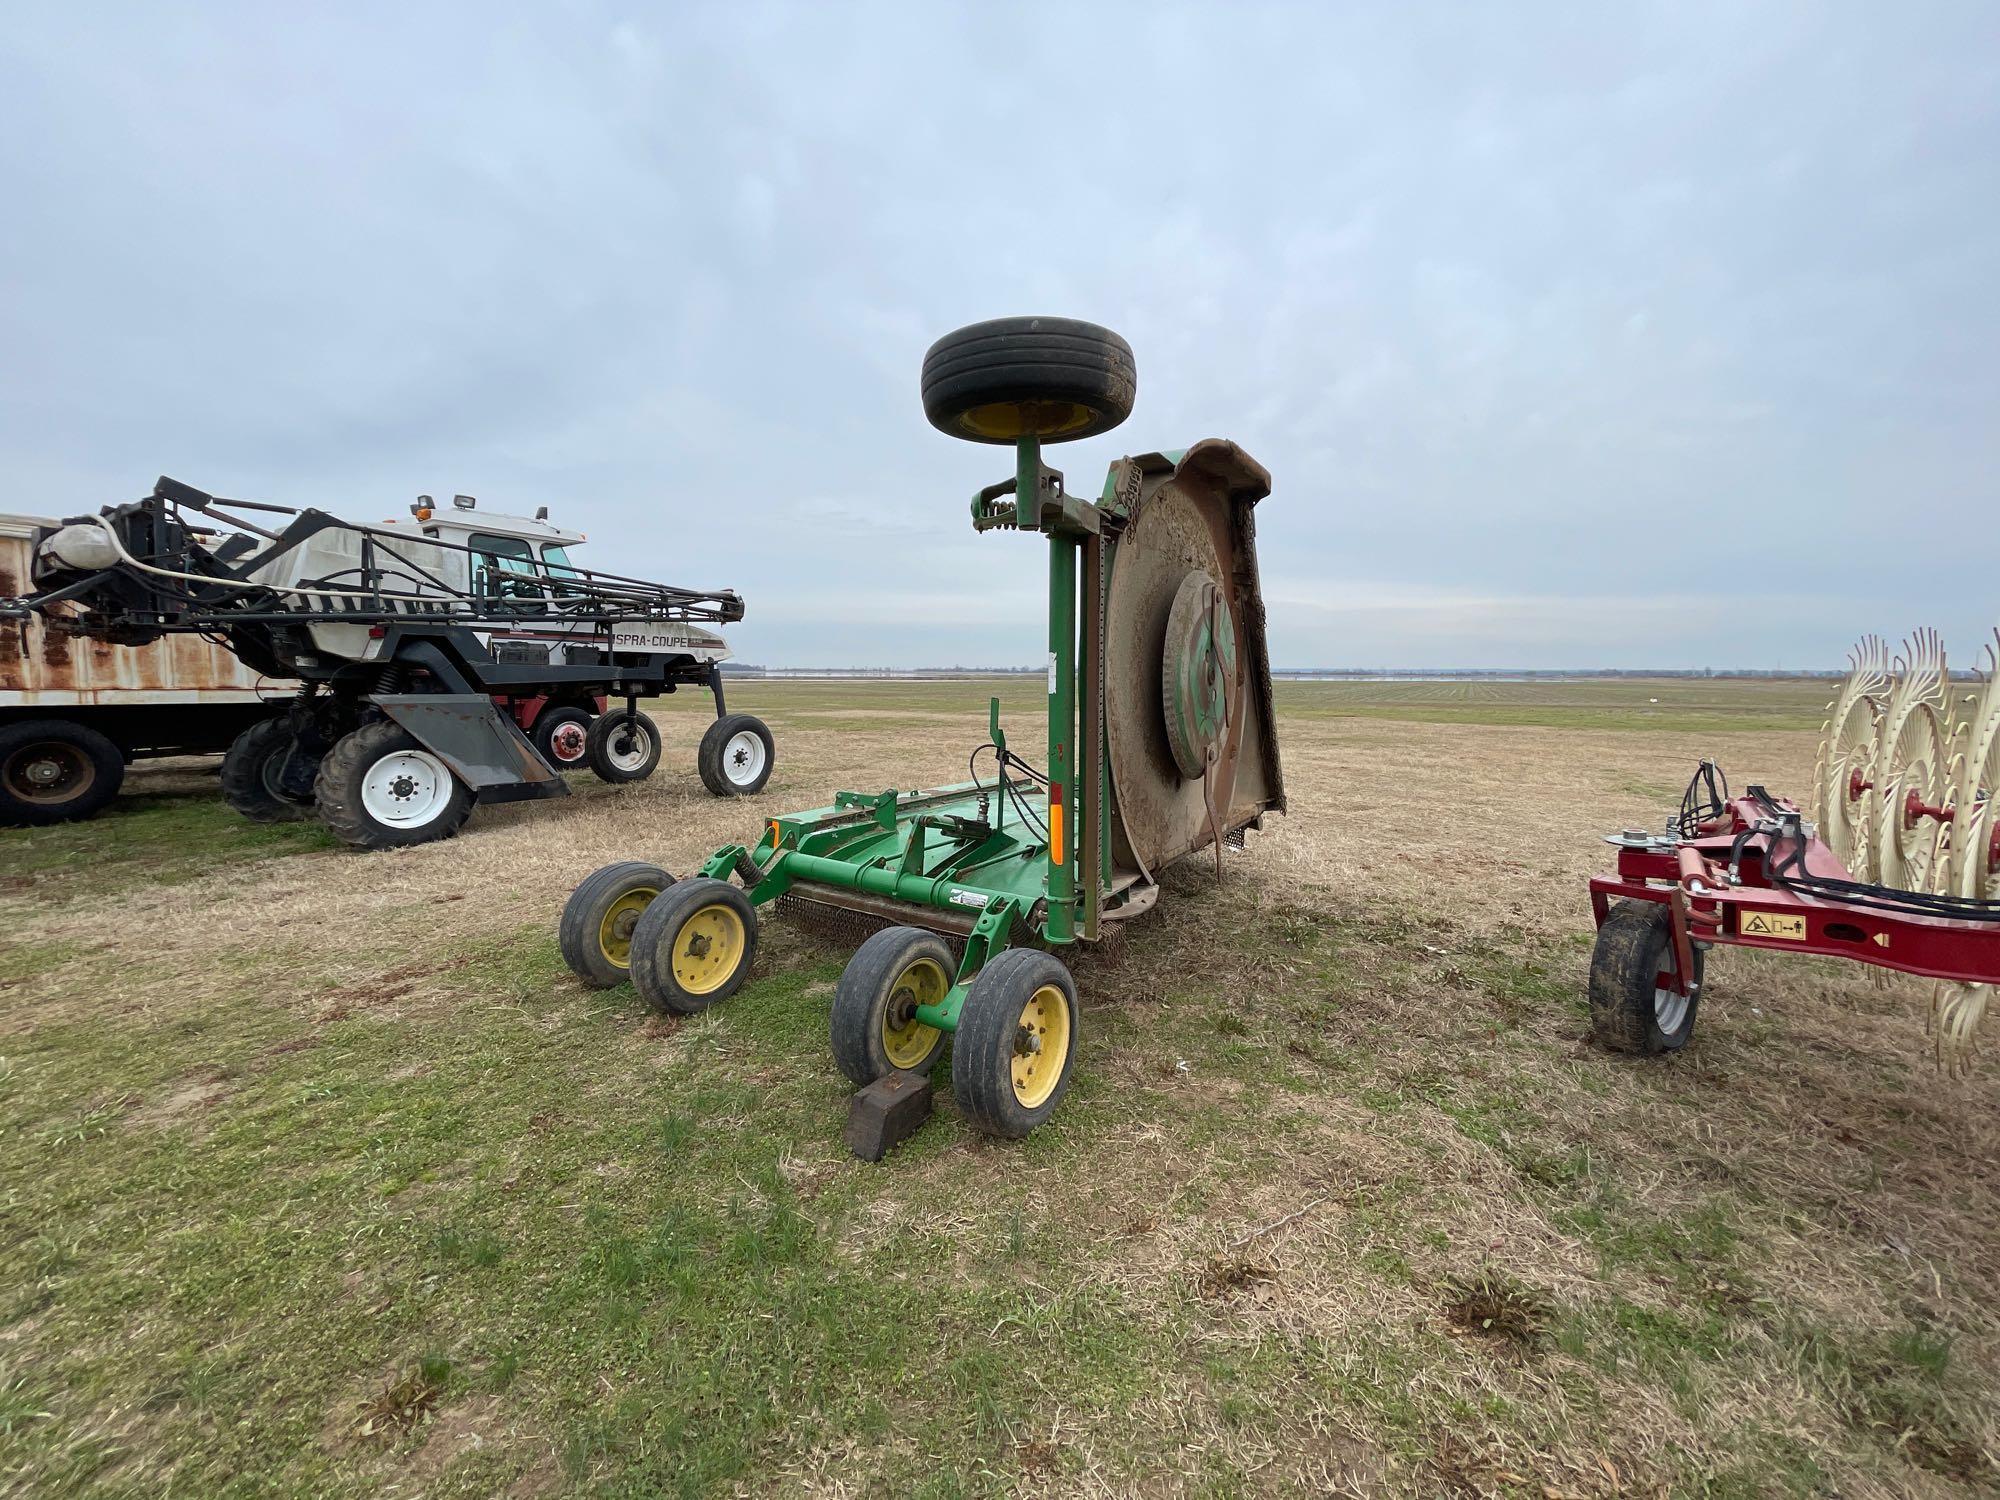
<point>1771,925</point>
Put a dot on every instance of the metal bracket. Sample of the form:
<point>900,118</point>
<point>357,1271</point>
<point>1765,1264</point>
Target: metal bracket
<point>882,806</point>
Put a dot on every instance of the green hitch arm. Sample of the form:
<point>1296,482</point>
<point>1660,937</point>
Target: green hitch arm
<point>999,738</point>
<point>1062,707</point>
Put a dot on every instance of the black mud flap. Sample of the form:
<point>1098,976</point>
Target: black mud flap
<point>484,748</point>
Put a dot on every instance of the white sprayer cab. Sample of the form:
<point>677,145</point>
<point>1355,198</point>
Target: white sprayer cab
<point>511,558</point>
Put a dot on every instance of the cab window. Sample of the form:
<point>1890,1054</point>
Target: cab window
<point>506,567</point>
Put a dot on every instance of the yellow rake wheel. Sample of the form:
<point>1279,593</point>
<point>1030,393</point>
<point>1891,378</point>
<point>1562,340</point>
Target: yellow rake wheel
<point>707,949</point>
<point>1910,756</point>
<point>1974,857</point>
<point>1846,770</point>
<point>1041,1048</point>
<point>614,933</point>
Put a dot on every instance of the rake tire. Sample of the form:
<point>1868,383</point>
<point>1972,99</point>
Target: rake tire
<point>659,934</point>
<point>1633,953</point>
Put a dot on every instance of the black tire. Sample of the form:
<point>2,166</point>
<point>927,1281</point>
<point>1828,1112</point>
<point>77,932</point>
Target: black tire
<point>438,808</point>
<point>563,737</point>
<point>1630,1008</point>
<point>1052,378</point>
<point>990,1035</point>
<point>686,953</point>
<point>55,771</point>
<point>621,750</point>
<point>873,1033</point>
<point>266,777</point>
<point>730,765</point>
<point>598,920</point>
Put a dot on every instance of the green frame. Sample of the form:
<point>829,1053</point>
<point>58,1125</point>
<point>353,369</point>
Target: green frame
<point>940,848</point>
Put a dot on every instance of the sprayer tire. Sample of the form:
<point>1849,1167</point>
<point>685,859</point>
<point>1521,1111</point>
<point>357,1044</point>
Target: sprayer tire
<point>344,794</point>
<point>1053,378</point>
<point>1630,1011</point>
<point>608,748</point>
<point>550,723</point>
<point>730,764</point>
<point>249,774</point>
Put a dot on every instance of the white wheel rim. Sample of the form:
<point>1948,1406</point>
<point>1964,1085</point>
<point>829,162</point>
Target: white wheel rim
<point>567,743</point>
<point>1670,1009</point>
<point>407,789</point>
<point>628,746</point>
<point>743,758</point>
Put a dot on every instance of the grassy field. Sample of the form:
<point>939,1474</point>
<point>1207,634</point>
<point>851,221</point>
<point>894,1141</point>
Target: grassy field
<point>322,1177</point>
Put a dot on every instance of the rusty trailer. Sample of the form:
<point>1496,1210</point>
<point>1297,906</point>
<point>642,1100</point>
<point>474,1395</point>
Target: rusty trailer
<point>74,711</point>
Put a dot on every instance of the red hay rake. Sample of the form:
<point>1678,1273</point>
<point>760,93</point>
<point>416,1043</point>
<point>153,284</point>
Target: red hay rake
<point>1897,867</point>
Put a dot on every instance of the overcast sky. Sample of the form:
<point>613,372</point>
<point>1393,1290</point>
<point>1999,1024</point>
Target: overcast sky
<point>1571,335</point>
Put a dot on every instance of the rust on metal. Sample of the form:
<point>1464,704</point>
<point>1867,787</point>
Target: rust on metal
<point>44,666</point>
<point>1196,518</point>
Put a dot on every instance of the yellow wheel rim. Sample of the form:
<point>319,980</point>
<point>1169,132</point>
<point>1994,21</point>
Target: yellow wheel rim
<point>908,1044</point>
<point>1007,420</point>
<point>1041,1046</point>
<point>614,933</point>
<point>707,950</point>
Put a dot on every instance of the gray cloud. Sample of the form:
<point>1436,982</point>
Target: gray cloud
<point>1572,335</point>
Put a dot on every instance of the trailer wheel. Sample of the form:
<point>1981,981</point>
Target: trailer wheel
<point>1633,1006</point>
<point>599,918</point>
<point>693,946</point>
<point>1052,378</point>
<point>379,788</point>
<point>1016,1042</point>
<point>563,737</point>
<point>265,777</point>
<point>55,771</point>
<point>874,1024</point>
<point>736,756</point>
<point>621,751</point>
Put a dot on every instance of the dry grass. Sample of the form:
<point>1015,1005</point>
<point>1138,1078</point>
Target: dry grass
<point>1344,1201</point>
